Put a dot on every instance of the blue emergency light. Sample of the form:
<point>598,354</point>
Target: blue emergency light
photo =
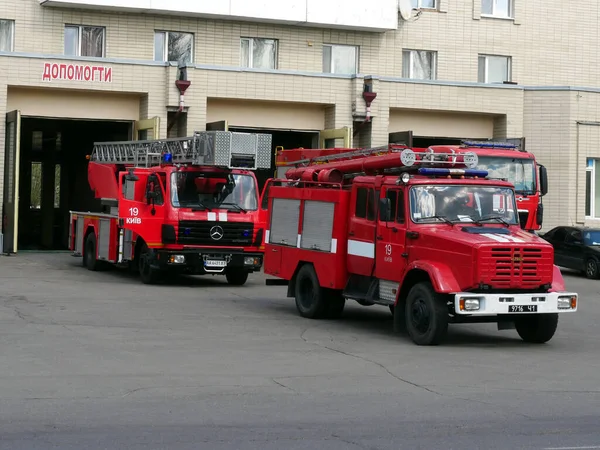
<point>465,172</point>
<point>490,144</point>
<point>167,158</point>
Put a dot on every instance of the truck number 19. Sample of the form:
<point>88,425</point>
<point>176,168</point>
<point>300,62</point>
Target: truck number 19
<point>388,249</point>
<point>134,212</point>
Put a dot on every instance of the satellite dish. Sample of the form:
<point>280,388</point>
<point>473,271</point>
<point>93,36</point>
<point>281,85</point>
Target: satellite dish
<point>405,8</point>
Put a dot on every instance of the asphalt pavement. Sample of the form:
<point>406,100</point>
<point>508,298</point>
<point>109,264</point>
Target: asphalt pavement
<point>101,361</point>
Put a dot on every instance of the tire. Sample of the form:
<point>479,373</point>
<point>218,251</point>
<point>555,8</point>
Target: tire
<point>148,275</point>
<point>537,329</point>
<point>90,260</point>
<point>426,315</point>
<point>310,296</point>
<point>237,277</point>
<point>591,269</point>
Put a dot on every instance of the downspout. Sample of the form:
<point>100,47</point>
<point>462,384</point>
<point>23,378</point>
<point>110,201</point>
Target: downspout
<point>182,84</point>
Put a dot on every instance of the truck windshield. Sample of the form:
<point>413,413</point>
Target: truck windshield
<point>213,190</point>
<point>479,204</point>
<point>518,171</point>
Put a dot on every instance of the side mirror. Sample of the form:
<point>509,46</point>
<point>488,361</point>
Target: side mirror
<point>543,180</point>
<point>384,209</point>
<point>151,196</point>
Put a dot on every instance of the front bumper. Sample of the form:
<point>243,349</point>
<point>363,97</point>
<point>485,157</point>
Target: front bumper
<point>202,261</point>
<point>501,304</point>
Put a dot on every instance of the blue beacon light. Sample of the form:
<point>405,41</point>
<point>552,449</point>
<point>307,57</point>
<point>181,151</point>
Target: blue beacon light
<point>167,158</point>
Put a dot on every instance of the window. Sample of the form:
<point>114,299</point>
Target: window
<point>84,41</point>
<point>7,33</point>
<point>371,205</point>
<point>342,59</point>
<point>173,46</point>
<point>496,8</point>
<point>494,69</point>
<point>57,185</point>
<point>424,4</point>
<point>258,53</point>
<point>419,64</point>
<point>592,189</point>
<point>396,206</point>
<point>361,203</point>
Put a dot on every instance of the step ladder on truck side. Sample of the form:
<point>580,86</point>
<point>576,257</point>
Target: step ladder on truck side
<point>147,225</point>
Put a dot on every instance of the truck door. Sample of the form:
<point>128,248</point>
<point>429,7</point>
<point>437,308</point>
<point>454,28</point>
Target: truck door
<point>361,229</point>
<point>142,206</point>
<point>390,246</point>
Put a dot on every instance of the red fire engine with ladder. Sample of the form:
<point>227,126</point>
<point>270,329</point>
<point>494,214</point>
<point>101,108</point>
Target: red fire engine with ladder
<point>424,233</point>
<point>501,160</point>
<point>176,205</point>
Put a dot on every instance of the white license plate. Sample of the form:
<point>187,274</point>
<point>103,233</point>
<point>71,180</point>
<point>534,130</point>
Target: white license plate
<point>214,263</point>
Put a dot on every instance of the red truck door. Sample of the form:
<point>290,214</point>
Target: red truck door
<point>361,229</point>
<point>138,212</point>
<point>390,247</point>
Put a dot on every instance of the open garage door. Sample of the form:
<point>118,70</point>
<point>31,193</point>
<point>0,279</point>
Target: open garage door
<point>10,199</point>
<point>401,138</point>
<point>147,129</point>
<point>220,125</point>
<point>327,138</point>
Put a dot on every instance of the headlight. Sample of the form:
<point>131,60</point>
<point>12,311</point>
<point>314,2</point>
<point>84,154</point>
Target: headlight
<point>567,302</point>
<point>176,259</point>
<point>469,304</point>
<point>251,261</point>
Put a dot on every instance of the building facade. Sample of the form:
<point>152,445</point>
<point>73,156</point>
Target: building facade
<point>77,71</point>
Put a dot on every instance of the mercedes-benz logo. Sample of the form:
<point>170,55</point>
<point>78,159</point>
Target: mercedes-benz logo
<point>216,233</point>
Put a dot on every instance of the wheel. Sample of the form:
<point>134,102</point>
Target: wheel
<point>148,275</point>
<point>237,277</point>
<point>89,256</point>
<point>537,329</point>
<point>426,315</point>
<point>310,296</point>
<point>591,269</point>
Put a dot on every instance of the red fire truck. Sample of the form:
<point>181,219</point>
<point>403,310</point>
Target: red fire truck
<point>501,160</point>
<point>426,234</point>
<point>176,205</point>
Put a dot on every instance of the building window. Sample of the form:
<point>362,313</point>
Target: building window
<point>342,59</point>
<point>84,41</point>
<point>592,189</point>
<point>497,8</point>
<point>419,64</point>
<point>424,4</point>
<point>7,33</point>
<point>258,53</point>
<point>494,69</point>
<point>173,46</point>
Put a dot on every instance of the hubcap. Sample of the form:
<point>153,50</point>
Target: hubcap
<point>420,316</point>
<point>591,268</point>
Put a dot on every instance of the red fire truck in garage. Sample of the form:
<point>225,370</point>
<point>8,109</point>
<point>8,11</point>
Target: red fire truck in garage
<point>176,205</point>
<point>426,234</point>
<point>501,160</point>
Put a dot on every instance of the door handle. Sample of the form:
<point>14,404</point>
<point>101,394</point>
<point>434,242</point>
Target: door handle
<point>351,233</point>
<point>395,230</point>
<point>379,238</point>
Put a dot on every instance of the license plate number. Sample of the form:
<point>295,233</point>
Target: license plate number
<point>215,263</point>
<point>522,308</point>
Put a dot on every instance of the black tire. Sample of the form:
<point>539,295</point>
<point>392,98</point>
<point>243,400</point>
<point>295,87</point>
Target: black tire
<point>591,269</point>
<point>148,275</point>
<point>90,260</point>
<point>426,315</point>
<point>537,329</point>
<point>237,277</point>
<point>335,303</point>
<point>310,296</point>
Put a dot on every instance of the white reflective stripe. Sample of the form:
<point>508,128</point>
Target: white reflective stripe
<point>212,216</point>
<point>502,237</point>
<point>298,241</point>
<point>334,246</point>
<point>222,217</point>
<point>364,249</point>
<point>267,236</point>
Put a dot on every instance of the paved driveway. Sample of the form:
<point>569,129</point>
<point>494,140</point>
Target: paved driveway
<point>98,360</point>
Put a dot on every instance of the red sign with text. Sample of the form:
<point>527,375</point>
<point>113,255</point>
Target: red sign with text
<point>77,72</point>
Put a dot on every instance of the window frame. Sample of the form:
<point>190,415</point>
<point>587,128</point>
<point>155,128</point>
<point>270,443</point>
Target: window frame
<point>79,39</point>
<point>251,52</point>
<point>486,67</point>
<point>411,52</point>
<point>12,35</point>
<point>436,5</point>
<point>494,15</point>
<point>165,56</point>
<point>331,59</point>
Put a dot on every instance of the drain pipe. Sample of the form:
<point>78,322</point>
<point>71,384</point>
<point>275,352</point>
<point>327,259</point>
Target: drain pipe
<point>182,84</point>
